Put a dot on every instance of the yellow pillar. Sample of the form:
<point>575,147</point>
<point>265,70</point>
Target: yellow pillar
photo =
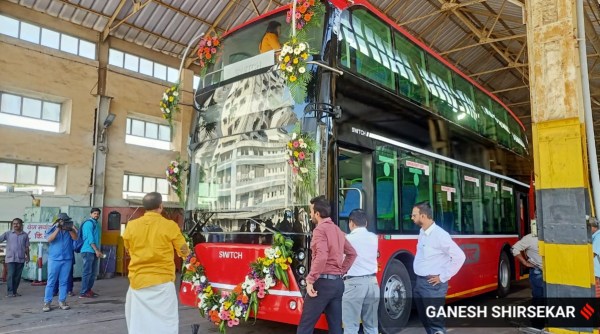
<point>560,161</point>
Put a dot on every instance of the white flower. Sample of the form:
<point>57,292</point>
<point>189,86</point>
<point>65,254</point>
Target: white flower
<point>175,170</point>
<point>290,69</point>
<point>165,97</point>
<point>294,135</point>
<point>167,172</point>
<point>302,46</point>
<point>214,307</point>
<point>301,69</point>
<point>303,145</point>
<point>202,279</point>
<point>295,163</point>
<point>303,170</point>
<point>266,270</point>
<point>167,111</point>
<point>238,311</point>
<point>297,51</point>
<point>175,93</point>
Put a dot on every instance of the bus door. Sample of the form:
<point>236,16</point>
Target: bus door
<point>354,184</point>
<point>524,226</point>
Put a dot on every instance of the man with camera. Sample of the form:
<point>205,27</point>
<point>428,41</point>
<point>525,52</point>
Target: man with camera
<point>60,259</point>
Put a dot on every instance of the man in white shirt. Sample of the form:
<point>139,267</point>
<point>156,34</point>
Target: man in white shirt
<point>361,291</point>
<point>438,258</point>
<point>529,245</point>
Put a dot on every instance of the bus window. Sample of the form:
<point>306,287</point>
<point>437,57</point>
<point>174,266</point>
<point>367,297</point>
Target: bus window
<point>507,202</point>
<point>415,188</point>
<point>446,208</point>
<point>386,189</point>
<point>409,63</point>
<point>351,185</point>
<point>502,130</point>
<point>487,121</point>
<point>366,47</point>
<point>491,213</point>
<point>439,83</point>
<point>472,204</point>
<point>466,115</point>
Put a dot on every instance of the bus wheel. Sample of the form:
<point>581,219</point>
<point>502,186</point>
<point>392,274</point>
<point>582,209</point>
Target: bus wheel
<point>503,275</point>
<point>396,298</point>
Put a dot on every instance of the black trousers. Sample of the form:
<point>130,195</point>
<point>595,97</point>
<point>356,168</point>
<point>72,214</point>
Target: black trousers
<point>328,300</point>
<point>15,270</point>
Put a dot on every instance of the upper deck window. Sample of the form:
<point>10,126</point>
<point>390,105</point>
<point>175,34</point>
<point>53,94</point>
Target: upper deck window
<point>239,51</point>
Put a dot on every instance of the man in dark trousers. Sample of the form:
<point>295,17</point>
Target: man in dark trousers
<point>438,258</point>
<point>325,287</point>
<point>17,253</point>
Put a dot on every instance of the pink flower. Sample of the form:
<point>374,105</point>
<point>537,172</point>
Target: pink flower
<point>224,315</point>
<point>295,170</point>
<point>295,143</point>
<point>261,294</point>
<point>209,43</point>
<point>213,50</point>
<point>230,323</point>
<point>301,155</point>
<point>202,43</point>
<point>236,321</point>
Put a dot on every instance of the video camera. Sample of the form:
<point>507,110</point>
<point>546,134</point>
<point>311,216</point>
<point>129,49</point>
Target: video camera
<point>64,222</point>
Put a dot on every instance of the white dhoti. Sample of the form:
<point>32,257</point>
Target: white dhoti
<point>152,310</point>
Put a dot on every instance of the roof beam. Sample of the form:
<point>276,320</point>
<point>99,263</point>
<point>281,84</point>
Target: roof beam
<point>509,89</point>
<point>509,67</point>
<point>483,41</point>
<point>136,8</point>
<point>255,7</point>
<point>106,30</point>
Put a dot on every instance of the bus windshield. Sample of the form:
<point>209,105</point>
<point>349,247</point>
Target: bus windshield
<point>239,51</point>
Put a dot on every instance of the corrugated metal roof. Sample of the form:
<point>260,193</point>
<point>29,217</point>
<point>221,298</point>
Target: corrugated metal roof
<point>461,31</point>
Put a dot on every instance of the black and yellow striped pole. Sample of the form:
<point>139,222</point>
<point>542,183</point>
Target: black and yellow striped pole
<point>559,146</point>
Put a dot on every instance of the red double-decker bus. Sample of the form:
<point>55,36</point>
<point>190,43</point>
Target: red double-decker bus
<point>391,123</point>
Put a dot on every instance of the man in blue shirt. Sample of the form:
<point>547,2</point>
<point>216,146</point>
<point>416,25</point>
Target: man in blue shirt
<point>593,222</point>
<point>60,258</point>
<point>17,253</point>
<point>90,253</point>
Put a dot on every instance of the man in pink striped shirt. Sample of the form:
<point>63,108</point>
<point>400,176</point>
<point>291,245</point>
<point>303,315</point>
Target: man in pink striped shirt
<point>325,287</point>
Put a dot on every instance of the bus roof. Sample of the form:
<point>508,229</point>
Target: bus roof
<point>343,4</point>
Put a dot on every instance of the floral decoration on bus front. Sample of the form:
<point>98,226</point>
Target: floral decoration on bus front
<point>227,308</point>
<point>292,63</point>
<point>305,9</point>
<point>300,157</point>
<point>207,51</point>
<point>170,103</point>
<point>175,178</point>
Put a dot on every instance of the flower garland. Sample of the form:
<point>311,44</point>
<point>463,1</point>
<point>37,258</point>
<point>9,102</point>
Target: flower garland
<point>292,64</point>
<point>227,308</point>
<point>174,174</point>
<point>170,103</point>
<point>295,52</point>
<point>305,9</point>
<point>299,153</point>
<point>207,51</point>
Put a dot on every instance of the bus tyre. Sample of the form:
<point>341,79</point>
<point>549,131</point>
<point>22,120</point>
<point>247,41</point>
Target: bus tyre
<point>396,298</point>
<point>503,275</point>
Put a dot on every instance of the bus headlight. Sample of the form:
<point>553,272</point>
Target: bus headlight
<point>301,270</point>
<point>301,255</point>
<point>293,305</point>
<point>303,282</point>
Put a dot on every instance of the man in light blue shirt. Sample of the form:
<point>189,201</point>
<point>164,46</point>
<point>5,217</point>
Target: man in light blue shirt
<point>438,258</point>
<point>596,249</point>
<point>361,291</point>
<point>90,253</point>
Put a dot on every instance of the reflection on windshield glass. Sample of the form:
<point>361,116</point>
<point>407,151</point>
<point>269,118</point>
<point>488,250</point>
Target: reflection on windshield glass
<point>240,172</point>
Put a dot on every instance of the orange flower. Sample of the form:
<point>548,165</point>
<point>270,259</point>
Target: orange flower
<point>208,55</point>
<point>302,9</point>
<point>307,17</point>
<point>238,289</point>
<point>193,260</point>
<point>216,42</point>
<point>245,299</point>
<point>311,2</point>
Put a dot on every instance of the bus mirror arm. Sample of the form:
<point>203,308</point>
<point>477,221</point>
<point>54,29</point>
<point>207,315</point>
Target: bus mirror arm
<point>327,67</point>
<point>329,109</point>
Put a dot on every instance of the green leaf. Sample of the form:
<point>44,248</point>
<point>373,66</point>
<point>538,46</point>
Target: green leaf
<point>289,243</point>
<point>222,326</point>
<point>285,278</point>
<point>278,273</point>
<point>255,305</point>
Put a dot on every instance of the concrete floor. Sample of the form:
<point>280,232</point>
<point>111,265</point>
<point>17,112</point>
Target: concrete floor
<point>105,314</point>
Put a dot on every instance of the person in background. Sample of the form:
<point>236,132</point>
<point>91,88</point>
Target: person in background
<point>60,260</point>
<point>529,245</point>
<point>151,240</point>
<point>90,253</point>
<point>593,222</point>
<point>438,258</point>
<point>270,40</point>
<point>17,253</point>
<point>361,291</point>
<point>332,256</point>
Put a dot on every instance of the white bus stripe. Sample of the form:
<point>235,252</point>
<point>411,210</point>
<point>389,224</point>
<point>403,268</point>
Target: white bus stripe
<point>441,157</point>
<point>455,236</point>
